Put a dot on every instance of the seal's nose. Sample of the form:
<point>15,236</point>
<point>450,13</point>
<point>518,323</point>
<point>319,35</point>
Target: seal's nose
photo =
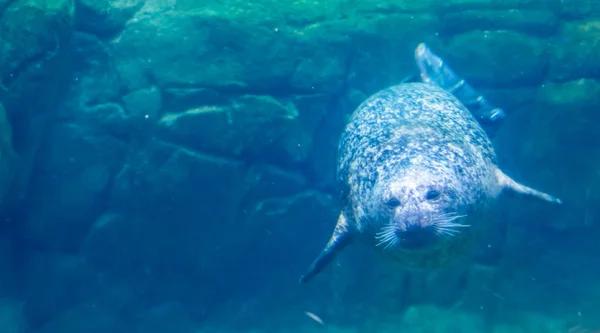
<point>416,236</point>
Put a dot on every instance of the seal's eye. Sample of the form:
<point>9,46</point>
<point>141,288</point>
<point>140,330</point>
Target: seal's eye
<point>393,203</point>
<point>432,195</point>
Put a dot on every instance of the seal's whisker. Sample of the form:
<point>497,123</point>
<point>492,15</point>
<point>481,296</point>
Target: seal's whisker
<point>444,224</point>
<point>448,214</point>
<point>447,231</point>
<point>448,217</point>
<point>385,232</point>
<point>387,236</point>
<point>392,243</point>
<point>385,240</point>
<point>453,225</point>
<point>443,232</point>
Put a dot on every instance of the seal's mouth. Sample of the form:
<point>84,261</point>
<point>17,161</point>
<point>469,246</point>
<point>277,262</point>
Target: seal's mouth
<point>416,234</point>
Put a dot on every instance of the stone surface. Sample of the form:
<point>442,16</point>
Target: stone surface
<point>534,22</point>
<point>54,283</point>
<point>7,155</point>
<point>498,58</point>
<point>8,281</point>
<point>93,90</point>
<point>415,320</point>
<point>487,4</point>
<point>577,9</point>
<point>246,127</point>
<point>99,314</point>
<point>175,183</point>
<point>187,179</point>
<point>575,51</point>
<point>250,126</point>
<point>72,186</point>
<point>105,17</point>
<point>11,316</point>
<point>34,51</point>
<point>385,49</point>
<point>212,52</point>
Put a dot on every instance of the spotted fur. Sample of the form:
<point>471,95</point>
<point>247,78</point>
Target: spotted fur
<point>421,132</point>
<point>401,143</point>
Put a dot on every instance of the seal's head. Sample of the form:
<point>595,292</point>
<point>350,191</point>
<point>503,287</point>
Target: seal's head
<point>420,210</point>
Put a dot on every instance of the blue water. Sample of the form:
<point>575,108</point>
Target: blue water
<point>169,166</point>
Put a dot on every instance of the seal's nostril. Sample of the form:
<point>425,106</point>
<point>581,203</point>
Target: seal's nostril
<point>415,236</point>
<point>432,195</point>
<point>393,203</point>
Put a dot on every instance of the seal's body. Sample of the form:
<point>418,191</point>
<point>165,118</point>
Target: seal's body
<point>417,172</point>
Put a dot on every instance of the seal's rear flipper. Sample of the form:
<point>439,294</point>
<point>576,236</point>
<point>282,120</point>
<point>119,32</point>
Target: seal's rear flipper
<point>510,184</point>
<point>434,70</point>
<point>339,239</point>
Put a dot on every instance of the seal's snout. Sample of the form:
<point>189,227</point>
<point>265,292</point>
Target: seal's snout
<point>416,236</point>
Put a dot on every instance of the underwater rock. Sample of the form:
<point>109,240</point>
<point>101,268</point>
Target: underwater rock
<point>564,125</point>
<point>267,181</point>
<point>168,201</point>
<point>198,139</point>
<point>418,319</point>
<point>169,317</point>
<point>94,97</point>
<point>9,280</point>
<point>386,52</point>
<point>94,80</point>
<point>575,51</point>
<point>582,93</point>
<point>34,53</point>
<point>497,58</point>
<point>251,126</point>
<point>54,283</point>
<point>577,9</point>
<point>264,218</point>
<point>487,4</point>
<point>105,17</point>
<point>99,314</point>
<point>178,100</point>
<point>562,122</point>
<point>234,50</point>
<point>11,316</point>
<point>535,22</point>
<point>71,186</point>
<point>245,127</point>
<point>7,155</point>
<point>204,199</point>
<point>533,322</point>
<point>143,104</point>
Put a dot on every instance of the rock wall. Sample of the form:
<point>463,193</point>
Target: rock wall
<point>35,46</point>
<point>187,176</point>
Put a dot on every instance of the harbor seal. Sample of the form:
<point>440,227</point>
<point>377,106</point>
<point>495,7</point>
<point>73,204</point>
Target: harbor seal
<point>417,174</point>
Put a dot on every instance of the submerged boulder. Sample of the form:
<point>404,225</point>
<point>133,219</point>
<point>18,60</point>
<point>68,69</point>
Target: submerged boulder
<point>34,50</point>
<point>7,155</point>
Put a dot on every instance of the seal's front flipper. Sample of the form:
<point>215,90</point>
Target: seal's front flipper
<point>510,184</point>
<point>339,239</point>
